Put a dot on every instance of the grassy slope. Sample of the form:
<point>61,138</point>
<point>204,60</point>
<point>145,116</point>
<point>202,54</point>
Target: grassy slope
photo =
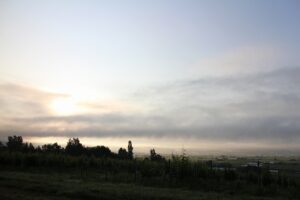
<point>33,186</point>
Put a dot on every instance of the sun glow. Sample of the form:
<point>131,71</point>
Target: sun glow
<point>64,106</point>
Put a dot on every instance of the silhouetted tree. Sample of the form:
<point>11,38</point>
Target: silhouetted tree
<point>130,150</point>
<point>51,148</point>
<point>155,157</point>
<point>31,147</point>
<point>99,151</point>
<point>38,149</point>
<point>122,153</point>
<point>28,147</point>
<point>74,147</point>
<point>152,154</point>
<point>15,143</point>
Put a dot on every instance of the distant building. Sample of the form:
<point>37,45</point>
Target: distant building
<point>257,164</point>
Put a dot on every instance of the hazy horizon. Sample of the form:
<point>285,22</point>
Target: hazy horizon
<point>207,76</point>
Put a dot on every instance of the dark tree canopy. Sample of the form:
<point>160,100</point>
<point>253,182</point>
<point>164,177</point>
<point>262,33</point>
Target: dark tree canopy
<point>99,151</point>
<point>28,147</point>
<point>51,148</point>
<point>74,147</point>
<point>155,157</point>
<point>15,143</point>
<point>122,153</point>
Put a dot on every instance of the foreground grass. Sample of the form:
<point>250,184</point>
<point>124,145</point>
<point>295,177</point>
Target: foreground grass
<point>41,186</point>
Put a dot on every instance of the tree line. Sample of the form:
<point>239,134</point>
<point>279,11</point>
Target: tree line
<point>152,170</point>
<point>74,148</point>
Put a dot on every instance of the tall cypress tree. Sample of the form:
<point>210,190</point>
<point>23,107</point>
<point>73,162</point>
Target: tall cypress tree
<point>130,150</point>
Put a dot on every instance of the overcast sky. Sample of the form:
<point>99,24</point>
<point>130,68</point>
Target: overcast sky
<point>193,74</point>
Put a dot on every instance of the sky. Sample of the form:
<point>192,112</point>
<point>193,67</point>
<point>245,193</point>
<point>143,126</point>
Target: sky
<point>207,76</point>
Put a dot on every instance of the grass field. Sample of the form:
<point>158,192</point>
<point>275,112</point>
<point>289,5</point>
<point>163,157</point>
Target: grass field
<point>18,185</point>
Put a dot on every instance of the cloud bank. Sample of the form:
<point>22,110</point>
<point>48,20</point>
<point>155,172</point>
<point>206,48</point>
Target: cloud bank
<point>262,107</point>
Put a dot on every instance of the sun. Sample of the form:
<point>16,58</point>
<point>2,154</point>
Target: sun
<point>64,106</point>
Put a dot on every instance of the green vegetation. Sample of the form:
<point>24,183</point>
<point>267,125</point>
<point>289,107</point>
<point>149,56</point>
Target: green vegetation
<point>62,186</point>
<point>78,172</point>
